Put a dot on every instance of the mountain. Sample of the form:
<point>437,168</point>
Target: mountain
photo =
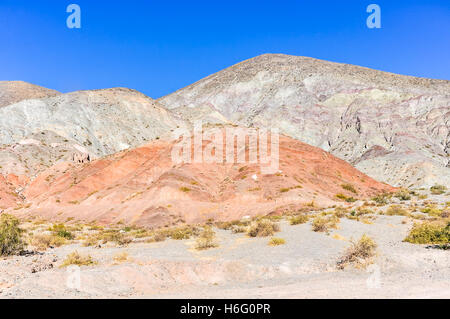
<point>144,187</point>
<point>394,128</point>
<point>36,134</point>
<point>15,91</point>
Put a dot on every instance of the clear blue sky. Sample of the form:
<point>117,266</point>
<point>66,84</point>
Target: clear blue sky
<point>158,47</point>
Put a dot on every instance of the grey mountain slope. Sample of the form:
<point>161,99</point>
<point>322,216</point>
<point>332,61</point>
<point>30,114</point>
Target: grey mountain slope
<point>97,123</point>
<point>15,91</point>
<point>394,128</point>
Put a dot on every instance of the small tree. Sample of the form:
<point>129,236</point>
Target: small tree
<point>10,235</point>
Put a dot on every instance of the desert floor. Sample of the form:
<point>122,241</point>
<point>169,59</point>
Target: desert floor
<point>240,267</point>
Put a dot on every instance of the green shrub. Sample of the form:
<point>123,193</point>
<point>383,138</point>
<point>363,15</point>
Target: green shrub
<point>60,230</point>
<point>346,198</point>
<point>429,233</point>
<point>10,235</point>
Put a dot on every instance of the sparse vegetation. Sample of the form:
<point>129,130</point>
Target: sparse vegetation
<point>75,258</point>
<point>275,241</point>
<point>396,210</point>
<point>43,241</point>
<point>61,230</point>
<point>346,198</point>
<point>299,219</point>
<point>359,253</point>
<point>324,223</point>
<point>429,233</point>
<point>206,239</point>
<point>403,194</point>
<point>350,188</point>
<point>10,235</point>
<point>262,228</point>
<point>438,189</point>
<point>121,257</point>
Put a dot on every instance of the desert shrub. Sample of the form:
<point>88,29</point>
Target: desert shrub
<point>396,210</point>
<point>340,211</point>
<point>438,189</point>
<point>121,257</point>
<point>44,241</point>
<point>10,235</point>
<point>363,211</point>
<point>274,241</point>
<point>79,260</point>
<point>185,189</point>
<point>236,229</point>
<point>184,232</point>
<point>382,199</point>
<point>346,198</point>
<point>262,228</point>
<point>115,236</point>
<point>422,196</point>
<point>299,219</point>
<point>324,223</point>
<point>403,194</point>
<point>229,225</point>
<point>91,241</point>
<point>429,233</point>
<point>206,239</point>
<point>60,230</point>
<point>350,188</point>
<point>432,210</point>
<point>359,253</point>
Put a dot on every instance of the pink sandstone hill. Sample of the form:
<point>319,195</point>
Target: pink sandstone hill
<point>144,187</point>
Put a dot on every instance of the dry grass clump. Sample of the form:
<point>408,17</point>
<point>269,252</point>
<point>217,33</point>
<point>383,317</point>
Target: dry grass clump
<point>346,198</point>
<point>262,228</point>
<point>429,233</point>
<point>275,241</point>
<point>382,199</point>
<point>43,241</point>
<point>350,188</point>
<point>183,232</point>
<point>10,235</point>
<point>121,257</point>
<point>324,223</point>
<point>362,210</point>
<point>340,212</point>
<point>359,253</point>
<point>108,235</point>
<point>75,258</point>
<point>232,224</point>
<point>438,189</point>
<point>396,210</point>
<point>403,194</point>
<point>206,239</point>
<point>298,219</point>
<point>60,230</point>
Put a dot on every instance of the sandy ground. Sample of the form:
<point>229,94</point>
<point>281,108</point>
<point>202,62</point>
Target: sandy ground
<point>241,267</point>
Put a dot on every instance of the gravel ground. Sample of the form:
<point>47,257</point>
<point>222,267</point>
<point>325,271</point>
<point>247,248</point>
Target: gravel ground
<point>241,267</point>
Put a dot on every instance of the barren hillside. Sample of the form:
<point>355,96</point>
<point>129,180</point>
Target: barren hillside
<point>394,128</point>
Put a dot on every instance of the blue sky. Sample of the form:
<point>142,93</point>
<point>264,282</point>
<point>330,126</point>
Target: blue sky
<point>158,47</point>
